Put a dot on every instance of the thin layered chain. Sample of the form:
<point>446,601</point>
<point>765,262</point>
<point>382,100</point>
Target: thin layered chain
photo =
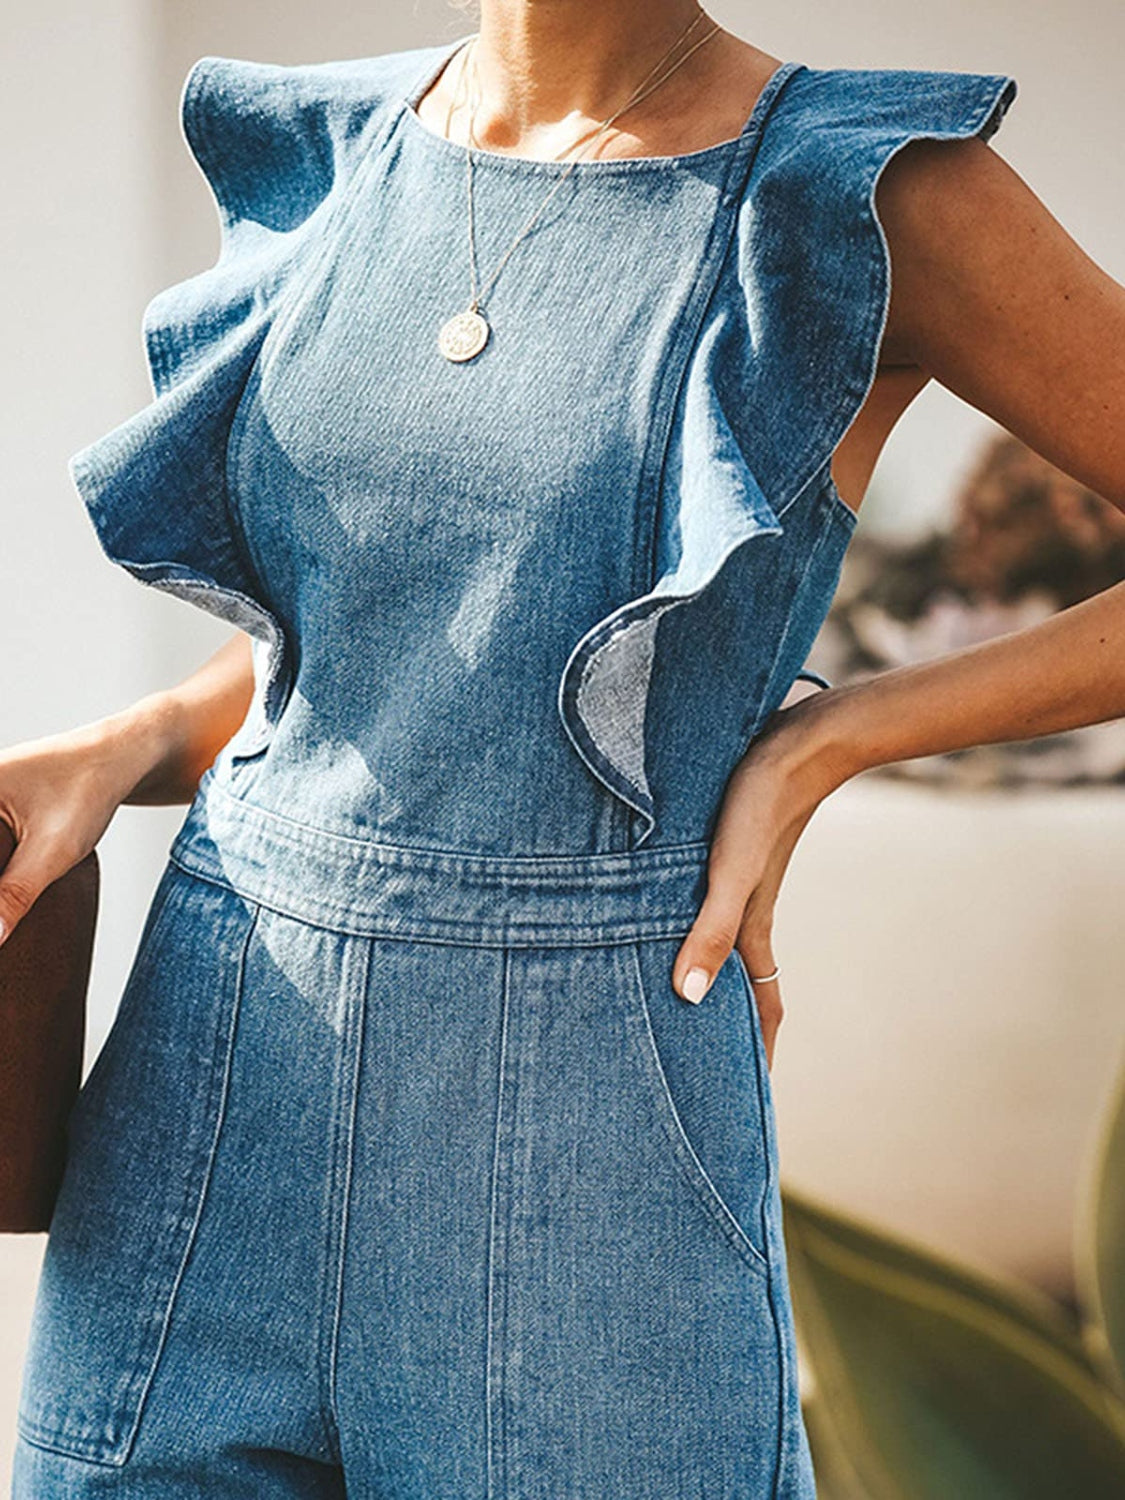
<point>643,89</point>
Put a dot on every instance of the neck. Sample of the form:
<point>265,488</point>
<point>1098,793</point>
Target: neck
<point>544,62</point>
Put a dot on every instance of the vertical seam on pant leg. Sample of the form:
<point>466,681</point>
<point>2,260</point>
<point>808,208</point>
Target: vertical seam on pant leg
<point>491,1383</point>
<point>226,1040</point>
<point>359,1010</point>
<point>783,1373</point>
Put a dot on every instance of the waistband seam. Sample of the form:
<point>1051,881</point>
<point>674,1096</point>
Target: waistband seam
<point>366,887</point>
<point>447,861</point>
<point>470,934</point>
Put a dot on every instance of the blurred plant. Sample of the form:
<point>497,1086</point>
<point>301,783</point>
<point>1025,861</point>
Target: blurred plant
<point>1025,541</point>
<point>935,1380</point>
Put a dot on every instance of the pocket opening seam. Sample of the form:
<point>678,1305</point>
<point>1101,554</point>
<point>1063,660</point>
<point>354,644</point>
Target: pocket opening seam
<point>151,930</point>
<point>683,1149</point>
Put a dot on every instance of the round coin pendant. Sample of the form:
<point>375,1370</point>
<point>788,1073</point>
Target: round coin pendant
<point>463,336</point>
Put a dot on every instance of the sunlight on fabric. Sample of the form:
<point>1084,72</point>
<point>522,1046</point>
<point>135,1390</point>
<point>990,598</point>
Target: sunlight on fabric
<point>489,584</point>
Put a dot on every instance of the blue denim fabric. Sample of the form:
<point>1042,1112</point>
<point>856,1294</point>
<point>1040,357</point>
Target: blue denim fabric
<point>403,1165</point>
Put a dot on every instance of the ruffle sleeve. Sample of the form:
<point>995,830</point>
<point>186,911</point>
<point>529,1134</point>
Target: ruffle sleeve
<point>752,531</point>
<point>280,148</point>
<point>814,263</point>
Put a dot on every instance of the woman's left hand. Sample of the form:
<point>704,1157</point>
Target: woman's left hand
<point>772,793</point>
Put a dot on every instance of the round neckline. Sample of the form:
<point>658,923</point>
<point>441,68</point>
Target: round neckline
<point>587,166</point>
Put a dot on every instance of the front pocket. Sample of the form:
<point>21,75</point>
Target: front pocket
<point>704,1065</point>
<point>141,1137</point>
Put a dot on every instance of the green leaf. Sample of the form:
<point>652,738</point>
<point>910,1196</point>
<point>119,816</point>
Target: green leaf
<point>1099,1241</point>
<point>835,1475</point>
<point>934,1380</point>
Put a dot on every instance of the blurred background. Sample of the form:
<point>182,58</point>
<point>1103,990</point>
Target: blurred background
<point>950,930</point>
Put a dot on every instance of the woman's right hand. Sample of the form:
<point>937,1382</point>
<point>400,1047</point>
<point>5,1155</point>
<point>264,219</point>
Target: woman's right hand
<point>58,795</point>
<point>60,792</point>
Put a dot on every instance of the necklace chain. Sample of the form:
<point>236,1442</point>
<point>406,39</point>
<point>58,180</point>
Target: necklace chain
<point>638,94</point>
<point>465,334</point>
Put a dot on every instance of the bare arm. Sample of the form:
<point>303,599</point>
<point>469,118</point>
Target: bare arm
<point>997,301</point>
<point>176,733</point>
<point>994,297</point>
<point>1002,306</point>
<point>59,793</point>
<point>1063,673</point>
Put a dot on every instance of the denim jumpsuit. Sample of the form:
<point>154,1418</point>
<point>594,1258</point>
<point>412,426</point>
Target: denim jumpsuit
<point>403,1171</point>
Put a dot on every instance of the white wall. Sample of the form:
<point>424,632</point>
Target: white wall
<point>77,642</point>
<point>108,207</point>
<point>80,638</point>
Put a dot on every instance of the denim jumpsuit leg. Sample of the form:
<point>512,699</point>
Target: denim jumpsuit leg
<point>412,1170</point>
<point>404,1172</point>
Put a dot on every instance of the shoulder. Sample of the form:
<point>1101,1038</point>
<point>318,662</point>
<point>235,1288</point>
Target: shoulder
<point>877,106</point>
<point>813,255</point>
<point>828,138</point>
<point>831,131</point>
<point>279,145</point>
<point>337,89</point>
<point>829,135</point>
<point>273,139</point>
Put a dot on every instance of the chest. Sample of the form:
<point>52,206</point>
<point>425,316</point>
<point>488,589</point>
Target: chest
<point>587,282</point>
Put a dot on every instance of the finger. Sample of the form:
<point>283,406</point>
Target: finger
<point>758,959</point>
<point>713,933</point>
<point>771,1021</point>
<point>31,869</point>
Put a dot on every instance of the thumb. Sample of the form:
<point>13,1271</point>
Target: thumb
<point>28,873</point>
<point>711,938</point>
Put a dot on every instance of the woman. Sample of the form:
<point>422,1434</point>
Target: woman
<point>526,445</point>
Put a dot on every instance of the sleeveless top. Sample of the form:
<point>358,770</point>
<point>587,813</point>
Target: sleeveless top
<point>539,602</point>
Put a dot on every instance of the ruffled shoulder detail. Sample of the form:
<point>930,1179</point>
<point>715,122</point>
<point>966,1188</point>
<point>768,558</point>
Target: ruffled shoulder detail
<point>276,145</point>
<point>751,532</point>
<point>282,149</point>
<point>813,259</point>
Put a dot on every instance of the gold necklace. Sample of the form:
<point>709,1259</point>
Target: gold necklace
<point>464,335</point>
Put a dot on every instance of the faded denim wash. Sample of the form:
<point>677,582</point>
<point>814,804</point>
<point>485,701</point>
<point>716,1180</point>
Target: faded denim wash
<point>403,1171</point>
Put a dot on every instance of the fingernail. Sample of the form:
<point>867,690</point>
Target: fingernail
<point>695,985</point>
<point>3,931</point>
